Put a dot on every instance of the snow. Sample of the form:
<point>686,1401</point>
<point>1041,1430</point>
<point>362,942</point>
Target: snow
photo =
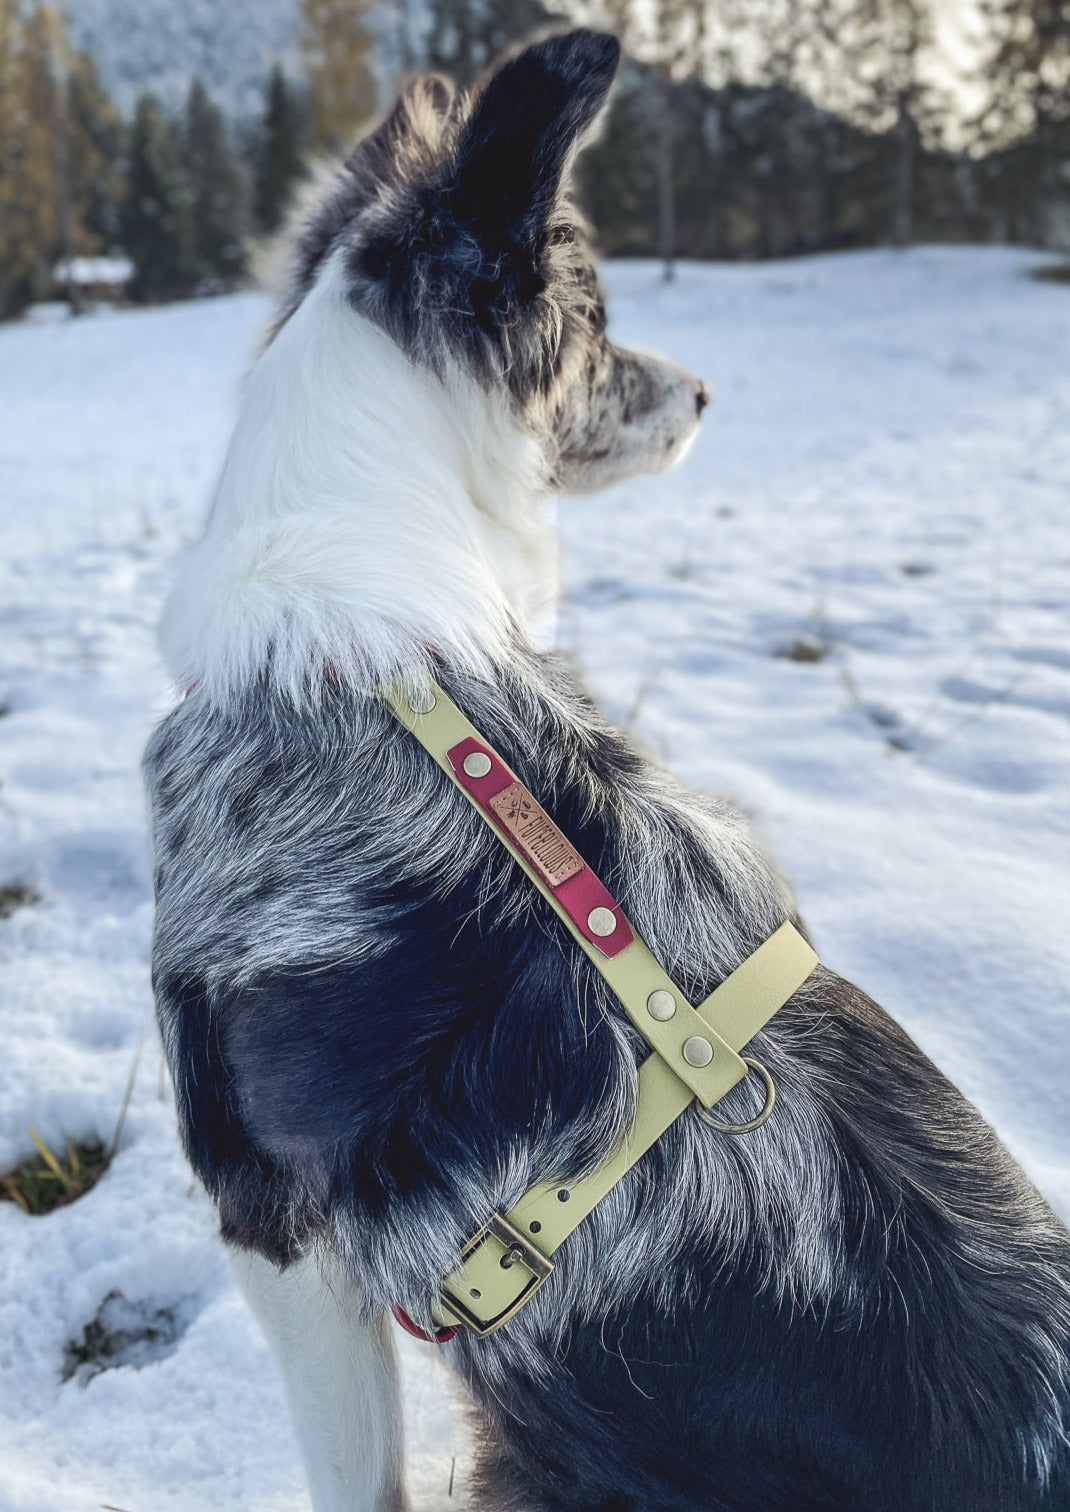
<point>884,475</point>
<point>94,270</point>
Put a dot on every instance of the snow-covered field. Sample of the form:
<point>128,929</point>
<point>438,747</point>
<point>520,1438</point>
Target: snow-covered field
<point>883,484</point>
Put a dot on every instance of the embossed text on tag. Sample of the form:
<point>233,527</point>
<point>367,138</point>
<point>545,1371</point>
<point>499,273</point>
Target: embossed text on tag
<point>536,834</point>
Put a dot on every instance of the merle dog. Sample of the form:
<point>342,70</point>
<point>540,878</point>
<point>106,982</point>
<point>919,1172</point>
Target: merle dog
<point>378,1032</point>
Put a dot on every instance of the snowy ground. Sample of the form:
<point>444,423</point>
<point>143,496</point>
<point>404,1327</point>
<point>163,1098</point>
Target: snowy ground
<point>884,477</point>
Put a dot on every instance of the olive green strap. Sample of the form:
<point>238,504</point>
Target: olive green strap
<point>506,1263</point>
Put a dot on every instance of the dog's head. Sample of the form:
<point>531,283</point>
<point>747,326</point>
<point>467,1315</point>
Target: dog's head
<point>456,235</point>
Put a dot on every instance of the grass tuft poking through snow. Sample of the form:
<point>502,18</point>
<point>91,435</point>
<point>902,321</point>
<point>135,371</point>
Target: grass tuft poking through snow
<point>121,1332</point>
<point>48,1181</point>
<point>16,895</point>
<point>804,649</point>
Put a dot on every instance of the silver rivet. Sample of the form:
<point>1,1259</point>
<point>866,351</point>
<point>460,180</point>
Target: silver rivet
<point>661,1005</point>
<point>697,1051</point>
<point>477,765</point>
<point>601,922</point>
<point>422,701</point>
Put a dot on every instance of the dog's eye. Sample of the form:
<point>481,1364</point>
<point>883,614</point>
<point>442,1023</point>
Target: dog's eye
<point>375,259</point>
<point>529,278</point>
<point>499,289</point>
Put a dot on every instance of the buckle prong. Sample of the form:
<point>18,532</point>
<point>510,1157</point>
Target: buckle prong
<point>518,1251</point>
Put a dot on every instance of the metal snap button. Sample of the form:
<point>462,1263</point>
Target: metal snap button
<point>697,1051</point>
<point>661,1005</point>
<point>477,764</point>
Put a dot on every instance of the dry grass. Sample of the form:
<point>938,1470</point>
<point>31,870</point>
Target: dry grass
<point>123,1332</point>
<point>1059,273</point>
<point>805,649</point>
<point>15,895</point>
<point>48,1181</point>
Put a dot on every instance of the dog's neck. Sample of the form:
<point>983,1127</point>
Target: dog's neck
<point>367,512</point>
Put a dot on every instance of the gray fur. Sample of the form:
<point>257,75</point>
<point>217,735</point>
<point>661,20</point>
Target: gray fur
<point>297,857</point>
<point>294,818</point>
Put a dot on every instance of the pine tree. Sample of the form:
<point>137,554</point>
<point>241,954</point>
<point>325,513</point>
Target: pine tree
<point>95,137</point>
<point>616,175</point>
<point>18,255</point>
<point>909,32</point>
<point>1025,120</point>
<point>881,77</point>
<point>336,47</point>
<point>277,153</point>
<point>215,190</point>
<point>671,36</point>
<point>155,223</point>
<point>49,62</point>
<point>29,202</point>
<point>780,32</point>
<point>60,143</point>
<point>1050,24</point>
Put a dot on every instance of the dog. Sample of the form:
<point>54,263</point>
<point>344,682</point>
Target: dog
<point>378,1033</point>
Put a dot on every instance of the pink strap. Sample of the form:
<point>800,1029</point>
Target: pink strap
<point>527,826</point>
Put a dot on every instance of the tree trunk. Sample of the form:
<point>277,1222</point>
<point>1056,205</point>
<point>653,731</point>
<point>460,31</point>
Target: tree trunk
<point>666,185</point>
<point>829,187</point>
<point>903,148</point>
<point>62,168</point>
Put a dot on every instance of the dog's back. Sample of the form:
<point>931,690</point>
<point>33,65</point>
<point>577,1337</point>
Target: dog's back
<point>379,1036</point>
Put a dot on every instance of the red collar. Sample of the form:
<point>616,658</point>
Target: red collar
<point>440,1335</point>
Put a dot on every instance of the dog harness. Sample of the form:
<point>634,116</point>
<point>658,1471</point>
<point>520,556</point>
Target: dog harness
<point>696,1050</point>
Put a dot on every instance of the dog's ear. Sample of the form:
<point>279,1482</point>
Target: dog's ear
<point>408,137</point>
<point>525,124</point>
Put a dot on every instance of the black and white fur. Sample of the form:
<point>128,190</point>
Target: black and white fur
<point>377,1031</point>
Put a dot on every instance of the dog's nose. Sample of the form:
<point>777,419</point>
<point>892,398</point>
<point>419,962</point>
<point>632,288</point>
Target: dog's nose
<point>702,397</point>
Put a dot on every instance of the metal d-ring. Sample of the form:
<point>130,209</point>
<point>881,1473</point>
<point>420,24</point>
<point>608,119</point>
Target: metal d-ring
<point>752,1123</point>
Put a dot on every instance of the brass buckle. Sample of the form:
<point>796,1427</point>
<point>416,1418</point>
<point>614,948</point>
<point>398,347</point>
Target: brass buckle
<point>518,1251</point>
<point>751,1123</point>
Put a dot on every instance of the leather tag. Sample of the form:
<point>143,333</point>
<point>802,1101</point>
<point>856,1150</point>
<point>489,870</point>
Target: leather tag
<point>537,834</point>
